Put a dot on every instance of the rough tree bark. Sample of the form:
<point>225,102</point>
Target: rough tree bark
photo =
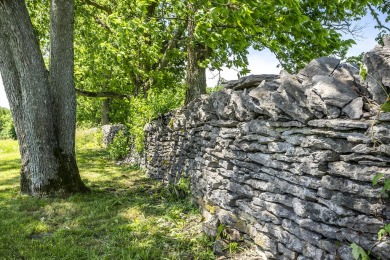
<point>196,75</point>
<point>43,109</point>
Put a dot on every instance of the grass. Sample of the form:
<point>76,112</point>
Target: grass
<point>125,216</point>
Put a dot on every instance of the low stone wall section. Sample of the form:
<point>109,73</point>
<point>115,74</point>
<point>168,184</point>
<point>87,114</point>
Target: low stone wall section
<point>287,160</point>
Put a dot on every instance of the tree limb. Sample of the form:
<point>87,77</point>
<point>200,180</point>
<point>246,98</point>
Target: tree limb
<point>101,23</point>
<point>375,15</point>
<point>107,9</point>
<point>107,94</point>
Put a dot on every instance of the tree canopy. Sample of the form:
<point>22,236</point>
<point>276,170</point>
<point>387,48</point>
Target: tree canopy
<point>137,47</point>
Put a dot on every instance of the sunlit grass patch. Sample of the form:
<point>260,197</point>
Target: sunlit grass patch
<point>125,216</point>
<point>8,148</point>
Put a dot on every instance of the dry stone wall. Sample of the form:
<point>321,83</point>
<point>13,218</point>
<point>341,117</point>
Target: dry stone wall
<point>287,160</point>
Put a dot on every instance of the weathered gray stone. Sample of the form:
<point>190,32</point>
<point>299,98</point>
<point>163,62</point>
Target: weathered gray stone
<point>109,132</point>
<point>356,172</point>
<point>345,252</point>
<point>221,100</point>
<point>332,111</point>
<point>313,211</point>
<point>258,100</point>
<point>266,160</point>
<point>340,124</point>
<point>333,91</point>
<point>229,133</point>
<point>337,145</point>
<point>294,139</point>
<point>300,232</point>
<point>354,109</point>
<point>352,137</point>
<point>258,212</point>
<point>321,66</point>
<point>364,157</point>
<point>221,123</point>
<point>291,107</point>
<point>210,223</point>
<point>250,81</point>
<point>361,223</point>
<point>286,187</point>
<point>384,117</point>
<point>380,133</point>
<point>276,209</point>
<point>384,149</point>
<point>238,105</point>
<point>362,149</point>
<point>329,231</point>
<point>260,127</point>
<point>276,147</point>
<point>223,198</point>
<point>369,207</point>
<point>254,138</point>
<point>308,167</point>
<point>339,184</point>
<point>336,208</point>
<point>378,67</point>
<point>293,88</point>
<point>287,252</point>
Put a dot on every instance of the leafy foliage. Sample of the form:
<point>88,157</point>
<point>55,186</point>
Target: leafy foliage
<point>358,252</point>
<point>7,128</point>
<point>142,111</point>
<point>120,146</point>
<point>385,107</point>
<point>180,189</point>
<point>386,183</point>
<point>385,231</point>
<point>378,8</point>
<point>294,31</point>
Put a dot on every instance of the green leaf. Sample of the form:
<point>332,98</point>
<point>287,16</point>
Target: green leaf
<point>363,71</point>
<point>376,179</point>
<point>358,252</point>
<point>385,107</point>
<point>382,233</point>
<point>386,186</point>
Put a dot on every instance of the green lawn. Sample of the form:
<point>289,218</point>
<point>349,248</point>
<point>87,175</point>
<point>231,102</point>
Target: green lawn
<point>125,216</point>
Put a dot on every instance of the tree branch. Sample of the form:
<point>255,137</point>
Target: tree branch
<point>107,94</point>
<point>172,43</point>
<point>375,15</point>
<point>101,23</point>
<point>107,9</point>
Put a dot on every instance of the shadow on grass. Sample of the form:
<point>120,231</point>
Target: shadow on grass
<point>7,165</point>
<point>125,216</point>
<point>13,180</point>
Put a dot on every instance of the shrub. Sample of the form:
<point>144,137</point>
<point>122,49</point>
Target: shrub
<point>120,146</point>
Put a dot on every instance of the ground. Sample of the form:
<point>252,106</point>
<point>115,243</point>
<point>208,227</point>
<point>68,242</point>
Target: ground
<point>125,216</point>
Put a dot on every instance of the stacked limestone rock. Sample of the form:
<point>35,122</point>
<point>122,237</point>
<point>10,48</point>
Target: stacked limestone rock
<point>287,160</point>
<point>109,132</point>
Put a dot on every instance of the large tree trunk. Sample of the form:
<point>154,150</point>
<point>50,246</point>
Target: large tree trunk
<point>63,89</point>
<point>196,75</point>
<point>46,146</point>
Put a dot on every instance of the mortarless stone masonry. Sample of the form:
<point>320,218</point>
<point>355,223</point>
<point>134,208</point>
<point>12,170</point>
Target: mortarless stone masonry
<point>286,160</point>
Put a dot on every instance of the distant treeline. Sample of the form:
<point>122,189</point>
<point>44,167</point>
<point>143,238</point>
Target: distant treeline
<point>7,129</point>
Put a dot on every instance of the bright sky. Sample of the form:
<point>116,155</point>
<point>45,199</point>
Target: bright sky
<point>264,62</point>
